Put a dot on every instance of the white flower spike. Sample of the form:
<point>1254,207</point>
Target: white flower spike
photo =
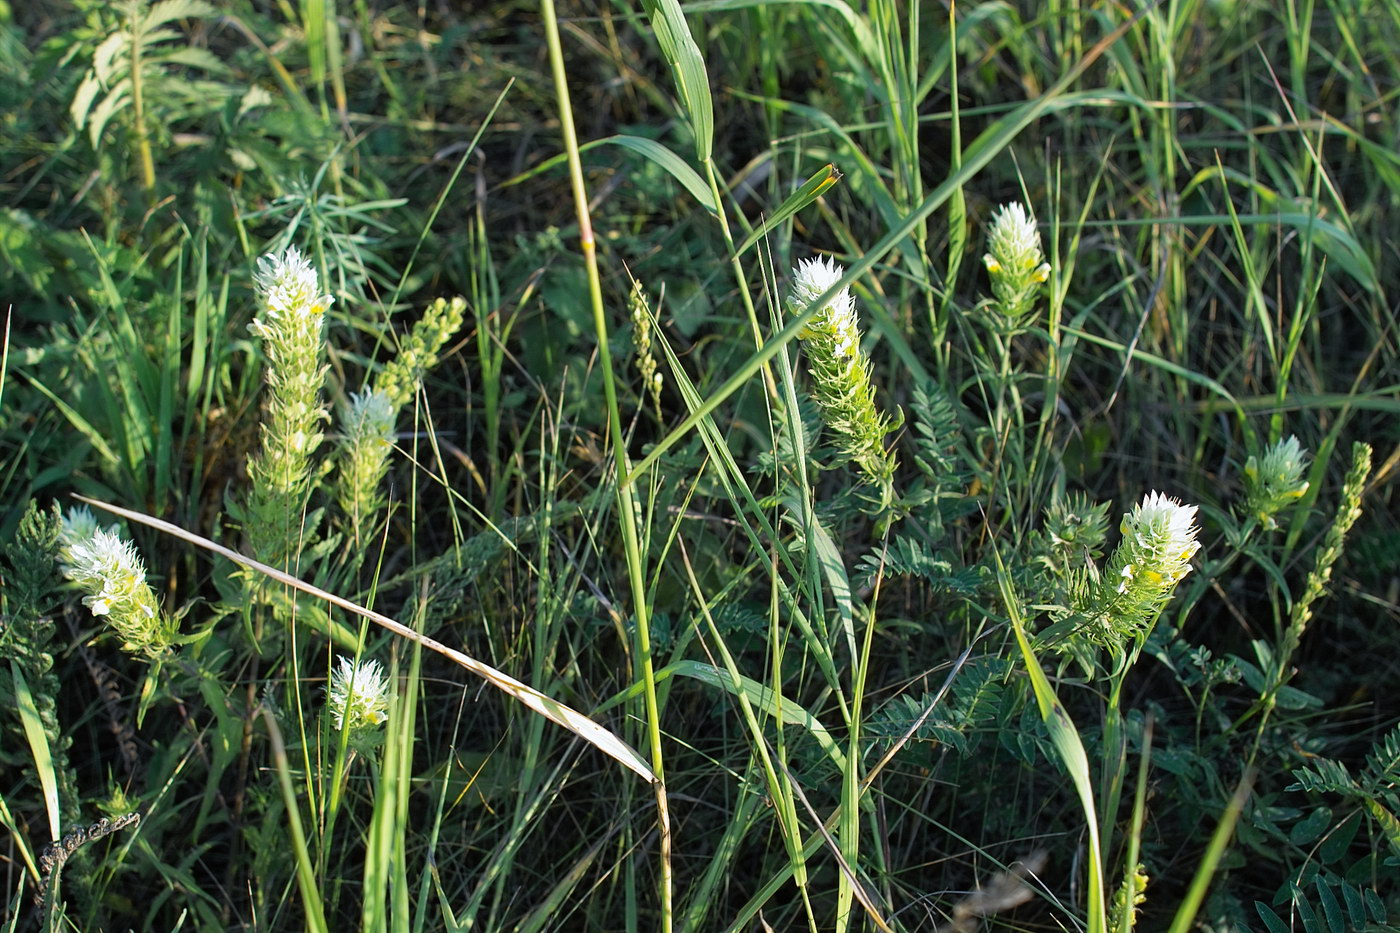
<point>110,571</point>
<point>1159,541</point>
<point>840,372</point>
<point>357,695</point>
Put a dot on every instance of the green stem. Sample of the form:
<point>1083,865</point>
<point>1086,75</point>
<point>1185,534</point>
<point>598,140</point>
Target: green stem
<point>306,876</point>
<point>1115,747</point>
<point>138,111</point>
<point>627,514</point>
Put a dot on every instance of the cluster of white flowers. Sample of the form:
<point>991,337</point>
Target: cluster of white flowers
<point>840,371</point>
<point>1275,480</point>
<point>291,294</point>
<point>1159,541</point>
<point>108,569</point>
<point>369,436</point>
<point>290,323</point>
<point>357,697</point>
<point>1015,263</point>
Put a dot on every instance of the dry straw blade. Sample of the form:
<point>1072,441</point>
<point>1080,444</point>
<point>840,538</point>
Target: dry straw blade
<point>565,716</point>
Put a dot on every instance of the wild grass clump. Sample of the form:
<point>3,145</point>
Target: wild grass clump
<point>738,550</point>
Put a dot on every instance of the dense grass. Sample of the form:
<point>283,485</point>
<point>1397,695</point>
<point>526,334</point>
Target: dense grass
<point>703,655</point>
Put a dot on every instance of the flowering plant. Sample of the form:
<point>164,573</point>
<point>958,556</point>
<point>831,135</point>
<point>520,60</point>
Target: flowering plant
<point>841,372</point>
<point>111,573</point>
<point>357,697</point>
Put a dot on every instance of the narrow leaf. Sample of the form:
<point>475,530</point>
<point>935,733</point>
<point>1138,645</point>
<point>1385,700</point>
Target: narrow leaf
<point>693,82</point>
<point>815,187</point>
<point>38,747</point>
<point>546,706</point>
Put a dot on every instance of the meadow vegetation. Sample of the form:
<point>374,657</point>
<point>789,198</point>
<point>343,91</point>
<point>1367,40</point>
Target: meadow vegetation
<point>727,465</point>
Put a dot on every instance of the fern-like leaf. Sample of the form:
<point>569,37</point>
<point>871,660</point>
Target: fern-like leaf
<point>937,438</point>
<point>1325,776</point>
<point>907,556</point>
<point>1347,909</point>
<point>1383,764</point>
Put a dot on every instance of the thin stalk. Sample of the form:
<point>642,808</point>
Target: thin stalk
<point>138,106</point>
<point>852,786</point>
<point>1124,920</point>
<point>627,514</point>
<point>306,876</point>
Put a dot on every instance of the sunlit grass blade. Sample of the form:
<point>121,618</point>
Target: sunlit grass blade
<point>821,181</point>
<point>38,749</point>
<point>315,918</point>
<point>692,80</point>
<point>1210,861</point>
<point>649,149</point>
<point>1065,738</point>
<point>548,707</point>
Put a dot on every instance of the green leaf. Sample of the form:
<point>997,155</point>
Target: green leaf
<point>38,747</point>
<point>667,160</point>
<point>83,99</point>
<point>1356,905</point>
<point>692,81</point>
<point>1307,830</point>
<point>815,187</point>
<point>1331,910</point>
<point>859,28</point>
<point>775,705</point>
<point>1293,698</point>
<point>1305,910</point>
<point>1065,738</point>
<point>168,10</point>
<point>191,57</point>
<point>1271,919</point>
<point>116,101</point>
<point>1375,904</point>
<point>1389,825</point>
<point>1335,846</point>
<point>834,569</point>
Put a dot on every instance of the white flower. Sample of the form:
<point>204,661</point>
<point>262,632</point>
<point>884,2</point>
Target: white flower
<point>1015,263</point>
<point>1165,530</point>
<point>1014,244</point>
<point>78,525</point>
<point>358,695</point>
<point>111,573</point>
<point>1275,481</point>
<point>369,419</point>
<point>840,372</point>
<point>814,276</point>
<point>289,325</point>
<point>107,567</point>
<point>1159,540</point>
<point>289,286</point>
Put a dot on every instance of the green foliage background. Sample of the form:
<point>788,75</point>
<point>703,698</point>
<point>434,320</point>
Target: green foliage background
<point>1216,183</point>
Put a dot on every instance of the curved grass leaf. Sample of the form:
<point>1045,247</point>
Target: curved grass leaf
<point>814,188</point>
<point>692,80</point>
<point>546,706</point>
